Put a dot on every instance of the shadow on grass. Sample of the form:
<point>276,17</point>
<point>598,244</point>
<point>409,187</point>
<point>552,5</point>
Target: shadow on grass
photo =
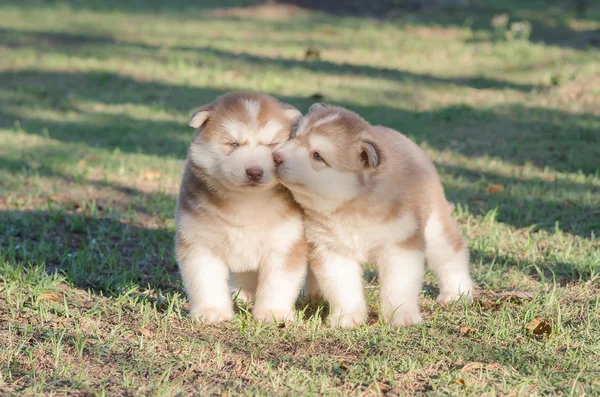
<point>183,7</point>
<point>516,134</point>
<point>102,253</point>
<point>66,42</point>
<point>551,21</point>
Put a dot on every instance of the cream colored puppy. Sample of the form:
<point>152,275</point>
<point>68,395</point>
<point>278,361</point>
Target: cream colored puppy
<point>371,195</point>
<point>235,223</point>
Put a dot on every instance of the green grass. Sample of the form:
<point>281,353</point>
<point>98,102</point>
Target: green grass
<point>94,103</point>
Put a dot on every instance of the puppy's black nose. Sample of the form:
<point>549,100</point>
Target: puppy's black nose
<point>277,158</point>
<point>254,173</point>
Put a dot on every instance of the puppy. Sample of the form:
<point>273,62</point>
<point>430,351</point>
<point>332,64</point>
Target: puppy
<point>371,195</point>
<point>234,222</point>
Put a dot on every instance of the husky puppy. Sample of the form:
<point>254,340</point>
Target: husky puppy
<point>371,195</point>
<point>236,226</point>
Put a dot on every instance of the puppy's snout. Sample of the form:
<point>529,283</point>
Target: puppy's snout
<point>254,173</point>
<point>277,158</point>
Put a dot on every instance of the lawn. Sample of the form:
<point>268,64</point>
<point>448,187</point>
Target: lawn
<point>94,102</point>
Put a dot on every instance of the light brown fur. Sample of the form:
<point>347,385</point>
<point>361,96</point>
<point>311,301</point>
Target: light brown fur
<point>372,196</point>
<point>227,223</point>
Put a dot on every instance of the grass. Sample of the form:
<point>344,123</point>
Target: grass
<point>94,101</point>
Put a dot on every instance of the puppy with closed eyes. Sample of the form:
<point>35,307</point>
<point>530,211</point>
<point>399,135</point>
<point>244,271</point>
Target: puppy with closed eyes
<point>236,226</point>
<point>371,195</point>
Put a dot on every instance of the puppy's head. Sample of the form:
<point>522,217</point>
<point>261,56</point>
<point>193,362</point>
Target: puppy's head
<point>330,158</point>
<point>236,137</point>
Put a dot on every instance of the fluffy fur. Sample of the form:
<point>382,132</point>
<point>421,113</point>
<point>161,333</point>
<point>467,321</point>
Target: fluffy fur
<point>371,195</point>
<point>236,226</point>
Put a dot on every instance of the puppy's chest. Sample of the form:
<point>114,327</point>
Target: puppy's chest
<point>364,238</point>
<point>247,247</point>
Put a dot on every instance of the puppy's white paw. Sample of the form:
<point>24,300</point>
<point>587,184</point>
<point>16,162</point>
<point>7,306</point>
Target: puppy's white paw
<point>273,315</point>
<point>445,298</point>
<point>348,319</point>
<point>212,315</point>
<point>403,317</point>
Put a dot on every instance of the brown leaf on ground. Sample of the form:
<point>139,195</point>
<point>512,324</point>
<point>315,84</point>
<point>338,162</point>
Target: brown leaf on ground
<point>312,54</point>
<point>505,295</point>
<point>539,326</point>
<point>146,332</point>
<point>151,174</point>
<point>465,331</point>
<point>491,189</point>
<point>488,305</point>
<point>48,297</point>
<point>469,367</point>
<point>382,387</point>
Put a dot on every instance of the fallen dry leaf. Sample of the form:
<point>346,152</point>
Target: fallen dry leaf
<point>382,387</point>
<point>465,331</point>
<point>312,54</point>
<point>515,294</point>
<point>491,189</point>
<point>146,332</point>
<point>48,297</point>
<point>539,326</point>
<point>468,367</point>
<point>150,175</point>
<point>488,305</point>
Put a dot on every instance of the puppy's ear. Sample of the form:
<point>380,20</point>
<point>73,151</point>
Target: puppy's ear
<point>316,106</point>
<point>292,114</point>
<point>369,155</point>
<point>201,114</point>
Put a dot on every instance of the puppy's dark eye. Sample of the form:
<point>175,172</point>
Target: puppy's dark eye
<point>234,145</point>
<point>317,156</point>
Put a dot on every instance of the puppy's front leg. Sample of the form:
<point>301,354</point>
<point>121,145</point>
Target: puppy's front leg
<point>340,282</point>
<point>279,282</point>
<point>401,273</point>
<point>205,278</point>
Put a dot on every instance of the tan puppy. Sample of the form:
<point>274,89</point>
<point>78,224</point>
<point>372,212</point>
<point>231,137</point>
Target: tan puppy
<point>371,195</point>
<point>233,218</point>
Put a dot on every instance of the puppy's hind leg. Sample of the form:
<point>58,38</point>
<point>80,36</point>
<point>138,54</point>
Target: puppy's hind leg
<point>448,257</point>
<point>401,270</point>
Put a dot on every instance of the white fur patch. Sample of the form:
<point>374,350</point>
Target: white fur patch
<point>401,276</point>
<point>205,278</point>
<point>236,128</point>
<point>302,125</point>
<point>268,131</point>
<point>327,119</point>
<point>252,107</point>
<point>323,145</point>
<point>340,281</point>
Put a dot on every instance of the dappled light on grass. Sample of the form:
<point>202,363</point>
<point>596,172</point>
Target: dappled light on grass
<point>94,103</point>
